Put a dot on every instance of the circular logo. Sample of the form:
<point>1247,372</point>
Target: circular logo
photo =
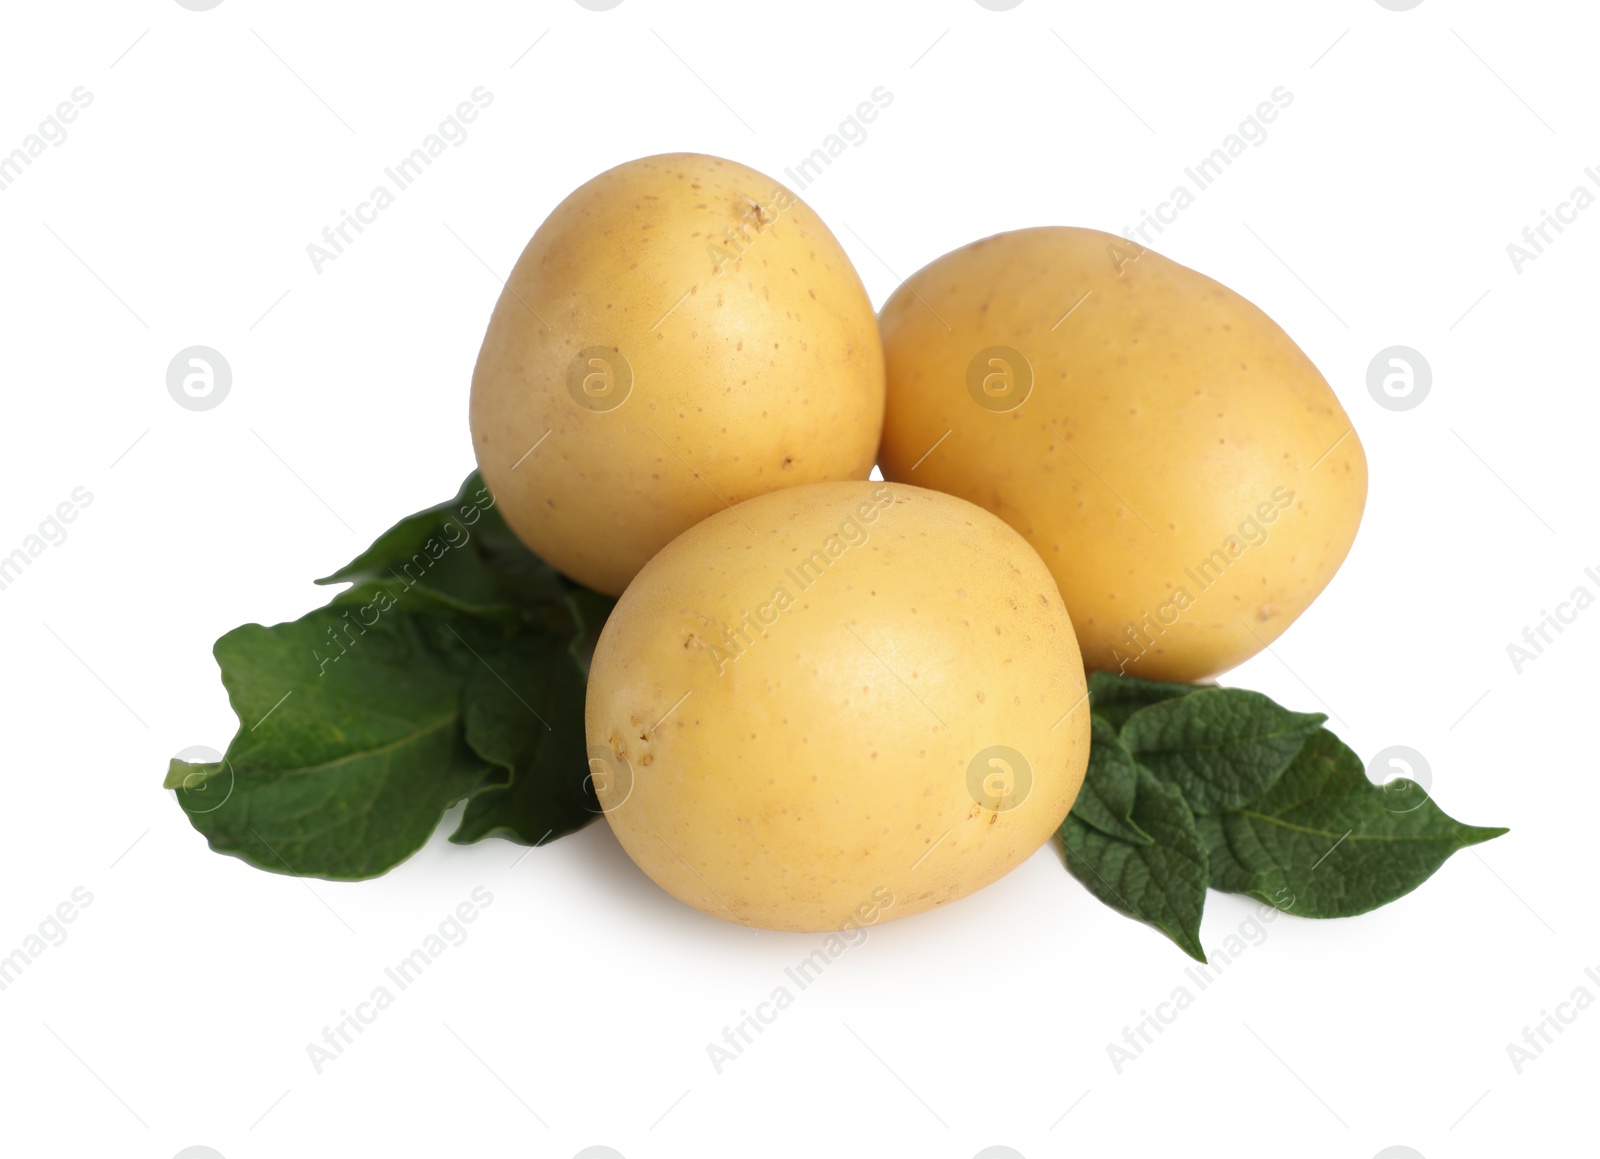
<point>1001,6</point>
<point>198,378</point>
<point>1405,775</point>
<point>599,6</point>
<point>600,1152</point>
<point>1399,378</point>
<point>199,1152</point>
<point>1400,1152</point>
<point>610,780</point>
<point>999,378</point>
<point>204,791</point>
<point>199,6</point>
<point>1399,6</point>
<point>999,778</point>
<point>599,378</point>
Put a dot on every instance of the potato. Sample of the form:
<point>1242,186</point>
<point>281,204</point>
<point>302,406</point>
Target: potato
<point>681,334</point>
<point>837,704</point>
<point>1178,462</point>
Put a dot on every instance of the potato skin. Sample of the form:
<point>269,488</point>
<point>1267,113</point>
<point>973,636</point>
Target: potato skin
<point>803,761</point>
<point>1185,472</point>
<point>750,343</point>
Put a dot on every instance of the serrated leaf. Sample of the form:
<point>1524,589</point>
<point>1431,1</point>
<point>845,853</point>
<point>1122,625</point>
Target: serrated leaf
<point>1114,697</point>
<point>1330,841</point>
<point>1220,746</point>
<point>349,749</point>
<point>1162,884</point>
<point>1110,784</point>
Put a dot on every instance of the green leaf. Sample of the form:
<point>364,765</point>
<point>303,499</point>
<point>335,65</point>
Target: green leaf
<point>517,569</point>
<point>1325,842</point>
<point>350,746</point>
<point>1227,874</point>
<point>457,557</point>
<point>453,667</point>
<point>1114,697</point>
<point>590,610</point>
<point>1107,798</point>
<point>406,539</point>
<point>1163,883</point>
<point>523,707</point>
<point>459,585</point>
<point>1221,746</point>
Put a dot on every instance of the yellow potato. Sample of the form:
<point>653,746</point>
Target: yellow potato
<point>682,333</point>
<point>835,705</point>
<point>1188,477</point>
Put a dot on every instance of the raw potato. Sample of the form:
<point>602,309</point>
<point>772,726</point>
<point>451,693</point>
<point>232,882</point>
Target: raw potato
<point>1186,473</point>
<point>682,333</point>
<point>836,705</point>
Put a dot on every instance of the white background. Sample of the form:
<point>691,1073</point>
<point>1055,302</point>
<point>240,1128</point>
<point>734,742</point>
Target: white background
<point>178,1010</point>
